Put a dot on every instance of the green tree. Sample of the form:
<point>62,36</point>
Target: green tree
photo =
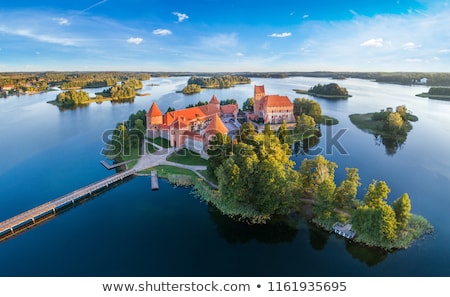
<point>323,206</point>
<point>247,132</point>
<point>259,176</point>
<point>248,104</point>
<point>402,209</point>
<point>377,194</point>
<point>219,149</point>
<point>402,111</point>
<point>283,133</point>
<point>347,190</point>
<point>394,121</point>
<point>268,130</point>
<point>388,223</point>
<point>308,107</point>
<point>315,171</point>
<point>305,125</point>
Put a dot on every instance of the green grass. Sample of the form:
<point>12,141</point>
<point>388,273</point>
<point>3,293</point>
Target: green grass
<point>166,170</point>
<point>366,123</point>
<point>187,157</point>
<point>151,148</point>
<point>161,142</point>
<point>132,155</point>
<point>328,121</point>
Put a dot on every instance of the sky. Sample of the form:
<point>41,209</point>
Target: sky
<point>225,36</point>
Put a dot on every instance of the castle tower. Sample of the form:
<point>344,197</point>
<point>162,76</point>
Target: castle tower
<point>258,96</point>
<point>214,104</point>
<point>154,119</point>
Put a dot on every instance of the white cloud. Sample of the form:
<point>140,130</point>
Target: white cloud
<point>413,60</point>
<point>135,40</point>
<point>410,46</point>
<point>162,32</point>
<point>181,16</point>
<point>281,35</point>
<point>374,42</point>
<point>39,37</point>
<point>306,16</point>
<point>239,54</point>
<point>62,21</point>
<point>444,51</point>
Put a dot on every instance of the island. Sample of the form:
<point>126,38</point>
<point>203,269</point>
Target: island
<point>389,127</point>
<point>191,89</point>
<point>328,91</point>
<point>437,93</point>
<point>121,92</point>
<point>197,84</point>
<point>251,177</point>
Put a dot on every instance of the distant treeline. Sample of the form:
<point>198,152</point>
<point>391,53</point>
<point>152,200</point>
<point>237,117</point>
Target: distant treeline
<point>403,78</point>
<point>39,81</point>
<point>218,82</point>
<point>439,91</point>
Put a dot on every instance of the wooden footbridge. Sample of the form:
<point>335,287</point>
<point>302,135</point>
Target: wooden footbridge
<point>36,215</point>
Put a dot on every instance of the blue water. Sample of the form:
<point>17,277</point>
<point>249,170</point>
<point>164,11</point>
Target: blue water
<point>133,231</point>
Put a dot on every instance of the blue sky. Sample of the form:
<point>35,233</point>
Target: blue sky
<point>214,35</point>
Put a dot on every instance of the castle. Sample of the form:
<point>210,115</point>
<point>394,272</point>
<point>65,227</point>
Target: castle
<point>272,109</point>
<point>193,127</point>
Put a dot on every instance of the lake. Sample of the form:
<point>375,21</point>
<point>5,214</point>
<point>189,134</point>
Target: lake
<point>131,230</point>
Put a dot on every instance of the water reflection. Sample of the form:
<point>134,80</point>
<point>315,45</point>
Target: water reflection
<point>367,255</point>
<point>318,237</point>
<point>392,143</point>
<point>275,231</point>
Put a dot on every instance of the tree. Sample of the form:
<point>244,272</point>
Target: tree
<point>323,206</point>
<point>402,111</point>
<point>308,107</point>
<point>219,149</point>
<point>283,133</point>
<point>347,190</point>
<point>377,194</point>
<point>315,171</point>
<point>170,108</point>
<point>248,104</point>
<point>247,132</point>
<point>259,176</point>
<point>402,209</point>
<point>394,121</point>
<point>268,130</point>
<point>388,223</point>
<point>305,125</point>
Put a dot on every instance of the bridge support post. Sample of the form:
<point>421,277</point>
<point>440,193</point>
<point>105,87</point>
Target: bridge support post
<point>12,230</point>
<point>54,210</point>
<point>34,222</point>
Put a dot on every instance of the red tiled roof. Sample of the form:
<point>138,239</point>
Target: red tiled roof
<point>259,89</point>
<point>277,101</point>
<point>154,111</point>
<point>216,126</point>
<point>214,100</point>
<point>189,114</point>
<point>230,108</point>
<point>179,124</point>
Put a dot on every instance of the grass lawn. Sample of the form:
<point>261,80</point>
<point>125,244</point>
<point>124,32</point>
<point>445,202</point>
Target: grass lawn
<point>165,170</point>
<point>150,148</point>
<point>187,157</point>
<point>208,177</point>
<point>161,142</point>
<point>132,155</point>
<point>366,123</point>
